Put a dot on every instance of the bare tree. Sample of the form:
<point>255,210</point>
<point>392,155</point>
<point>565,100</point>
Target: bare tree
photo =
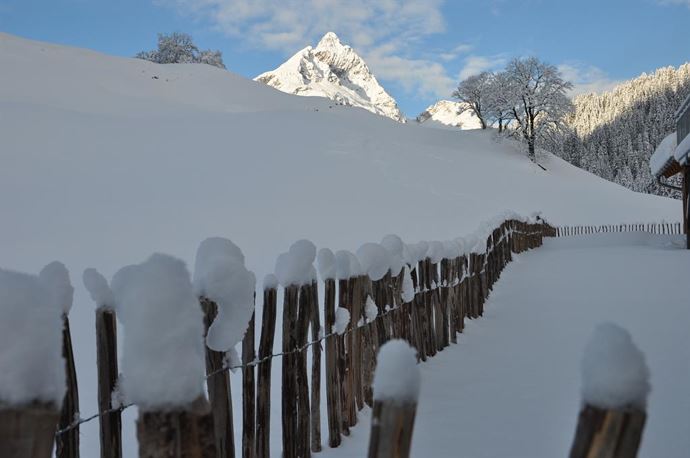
<point>500,100</point>
<point>473,91</point>
<point>539,92</point>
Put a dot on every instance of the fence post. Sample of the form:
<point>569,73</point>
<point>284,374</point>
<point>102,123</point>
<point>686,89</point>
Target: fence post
<point>612,418</point>
<point>106,360</point>
<point>342,361</point>
<point>289,390</point>
<point>302,379</point>
<point>248,392</point>
<point>67,444</point>
<point>263,400</point>
<point>28,432</point>
<point>316,333</point>
<point>396,389</point>
<point>332,379</point>
<point>218,391</point>
<point>183,433</point>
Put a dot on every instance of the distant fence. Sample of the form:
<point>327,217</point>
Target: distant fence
<point>652,228</point>
<point>446,292</point>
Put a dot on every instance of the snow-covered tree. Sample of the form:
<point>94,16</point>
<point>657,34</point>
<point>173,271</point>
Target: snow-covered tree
<point>178,48</point>
<point>541,101</point>
<point>499,100</point>
<point>613,134</point>
<point>474,91</point>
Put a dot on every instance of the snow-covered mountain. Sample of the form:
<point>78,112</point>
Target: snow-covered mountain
<point>335,71</point>
<point>449,113</point>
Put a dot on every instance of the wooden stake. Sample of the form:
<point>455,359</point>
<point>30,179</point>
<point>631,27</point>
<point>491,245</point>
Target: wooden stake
<point>392,425</point>
<point>248,393</point>
<point>289,389</point>
<point>332,379</point>
<point>67,444</point>
<point>316,333</point>
<point>106,360</point>
<point>608,433</point>
<point>28,431</point>
<point>218,392</point>
<point>184,433</point>
<point>263,401</point>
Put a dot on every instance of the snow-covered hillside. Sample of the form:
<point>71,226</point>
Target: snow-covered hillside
<point>106,160</point>
<point>449,113</point>
<point>334,71</point>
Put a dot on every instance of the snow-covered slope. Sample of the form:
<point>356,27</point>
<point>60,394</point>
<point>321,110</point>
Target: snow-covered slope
<point>449,113</point>
<point>334,71</point>
<point>106,160</point>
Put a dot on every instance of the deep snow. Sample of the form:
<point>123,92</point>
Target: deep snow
<point>106,160</point>
<point>512,385</point>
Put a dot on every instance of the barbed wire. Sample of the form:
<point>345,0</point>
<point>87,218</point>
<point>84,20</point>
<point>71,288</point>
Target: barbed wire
<point>257,361</point>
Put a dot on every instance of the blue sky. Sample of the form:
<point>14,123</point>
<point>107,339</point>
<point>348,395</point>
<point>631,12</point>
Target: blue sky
<point>418,49</point>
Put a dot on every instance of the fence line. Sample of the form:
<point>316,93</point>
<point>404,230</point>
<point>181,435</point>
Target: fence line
<point>672,228</point>
<point>445,294</point>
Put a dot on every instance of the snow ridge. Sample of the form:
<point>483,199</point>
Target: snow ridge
<point>449,113</point>
<point>334,71</point>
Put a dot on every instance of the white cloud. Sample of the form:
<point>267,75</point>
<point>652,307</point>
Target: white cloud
<point>586,78</point>
<point>459,50</point>
<point>384,32</point>
<point>474,65</point>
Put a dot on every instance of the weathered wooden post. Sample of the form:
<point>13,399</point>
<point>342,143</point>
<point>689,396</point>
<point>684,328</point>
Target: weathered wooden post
<point>29,412</point>
<point>332,379</point>
<point>263,400</point>
<point>289,390</point>
<point>106,360</point>
<point>396,389</point>
<point>615,381</point>
<point>55,278</point>
<point>219,390</point>
<point>301,373</point>
<point>316,334</point>
<point>248,392</point>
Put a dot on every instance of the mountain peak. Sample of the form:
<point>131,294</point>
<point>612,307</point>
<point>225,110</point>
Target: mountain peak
<point>330,40</point>
<point>335,71</point>
<point>449,113</point>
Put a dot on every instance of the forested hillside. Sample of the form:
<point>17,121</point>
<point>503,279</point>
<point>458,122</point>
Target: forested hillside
<point>613,134</point>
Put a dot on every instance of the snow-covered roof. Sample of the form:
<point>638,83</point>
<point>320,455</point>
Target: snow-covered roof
<point>663,156</point>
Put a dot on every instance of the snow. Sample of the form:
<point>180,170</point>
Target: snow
<point>221,276</point>
<point>347,265</point>
<point>451,114</point>
<point>296,266</point>
<point>522,358</point>
<point>342,319</point>
<point>683,151</point>
<point>334,71</point>
<point>370,310</point>
<point>395,247</point>
<point>55,278</point>
<point>435,252</point>
<point>31,363</point>
<point>326,262</point>
<point>614,371</point>
<point>663,153</point>
<point>374,259</point>
<point>163,353</point>
<point>98,288</point>
<point>397,377</point>
<point>270,281</point>
<point>204,151</point>
<point>407,286</point>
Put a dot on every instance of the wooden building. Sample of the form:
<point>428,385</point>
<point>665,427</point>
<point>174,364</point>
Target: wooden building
<point>673,158</point>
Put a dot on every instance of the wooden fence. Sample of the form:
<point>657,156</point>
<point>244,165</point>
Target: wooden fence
<point>446,293</point>
<point>652,228</point>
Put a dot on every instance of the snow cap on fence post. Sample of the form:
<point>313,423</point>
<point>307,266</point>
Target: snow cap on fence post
<point>295,267</point>
<point>347,265</point>
<point>326,262</point>
<point>221,276</point>
<point>614,371</point>
<point>270,281</point>
<point>395,247</point>
<point>55,277</point>
<point>374,259</point>
<point>163,353</point>
<point>397,376</point>
<point>98,288</point>
<point>31,364</point>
